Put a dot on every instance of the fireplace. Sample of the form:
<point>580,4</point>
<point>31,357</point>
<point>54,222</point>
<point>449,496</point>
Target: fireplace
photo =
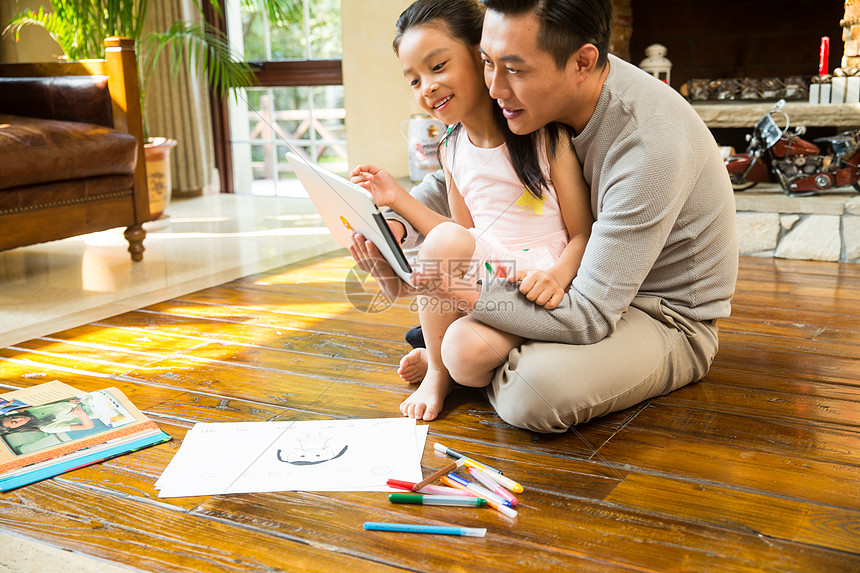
<point>733,38</point>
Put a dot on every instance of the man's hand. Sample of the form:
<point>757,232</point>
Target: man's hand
<point>539,287</point>
<point>370,260</point>
<point>464,293</point>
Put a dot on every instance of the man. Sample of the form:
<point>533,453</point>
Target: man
<point>639,318</point>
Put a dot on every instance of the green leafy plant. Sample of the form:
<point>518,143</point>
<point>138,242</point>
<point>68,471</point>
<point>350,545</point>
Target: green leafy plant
<point>81,26</point>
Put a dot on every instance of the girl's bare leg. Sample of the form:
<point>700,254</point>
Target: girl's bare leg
<point>472,351</point>
<point>446,245</point>
<point>425,403</point>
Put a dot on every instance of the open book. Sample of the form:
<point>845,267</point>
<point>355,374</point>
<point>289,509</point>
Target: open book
<point>53,428</point>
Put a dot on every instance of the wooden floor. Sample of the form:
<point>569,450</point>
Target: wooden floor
<point>755,468</point>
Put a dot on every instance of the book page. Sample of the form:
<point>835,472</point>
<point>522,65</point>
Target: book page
<point>41,394</point>
<point>58,420</point>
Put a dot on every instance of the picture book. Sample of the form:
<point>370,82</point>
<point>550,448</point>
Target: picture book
<point>53,428</point>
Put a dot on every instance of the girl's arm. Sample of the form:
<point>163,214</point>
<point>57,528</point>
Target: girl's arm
<point>86,422</point>
<point>574,198</point>
<point>547,287</point>
<point>387,192</point>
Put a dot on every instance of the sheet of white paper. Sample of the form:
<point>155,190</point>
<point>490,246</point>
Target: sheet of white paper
<point>316,455</point>
<point>420,439</point>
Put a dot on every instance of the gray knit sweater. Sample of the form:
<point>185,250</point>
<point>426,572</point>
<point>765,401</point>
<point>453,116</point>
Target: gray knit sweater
<point>664,218</point>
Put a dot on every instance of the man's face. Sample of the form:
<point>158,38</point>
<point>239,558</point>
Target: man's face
<point>523,78</point>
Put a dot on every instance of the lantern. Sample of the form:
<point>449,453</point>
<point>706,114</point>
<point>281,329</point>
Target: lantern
<point>657,64</point>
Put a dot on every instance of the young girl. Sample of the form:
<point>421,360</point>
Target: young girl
<point>519,204</point>
<point>53,418</point>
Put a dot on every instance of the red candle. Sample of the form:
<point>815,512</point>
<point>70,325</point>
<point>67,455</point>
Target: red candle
<point>824,56</point>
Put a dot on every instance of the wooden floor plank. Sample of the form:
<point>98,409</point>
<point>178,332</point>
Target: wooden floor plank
<point>692,458</point>
<point>159,539</point>
<point>784,362</point>
<point>766,515</point>
<point>756,432</point>
<point>728,374</point>
<point>786,403</point>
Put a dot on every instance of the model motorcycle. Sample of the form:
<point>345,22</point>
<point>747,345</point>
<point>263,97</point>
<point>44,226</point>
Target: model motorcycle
<point>799,166</point>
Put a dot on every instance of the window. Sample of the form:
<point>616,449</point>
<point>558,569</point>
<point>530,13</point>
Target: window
<point>299,103</point>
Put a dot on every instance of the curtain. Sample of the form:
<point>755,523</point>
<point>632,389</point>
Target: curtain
<point>177,105</point>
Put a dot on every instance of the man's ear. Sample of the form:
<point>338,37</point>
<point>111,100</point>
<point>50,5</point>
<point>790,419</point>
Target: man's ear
<point>584,61</point>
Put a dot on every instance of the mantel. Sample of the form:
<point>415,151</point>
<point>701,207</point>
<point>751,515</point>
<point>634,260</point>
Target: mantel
<point>746,114</point>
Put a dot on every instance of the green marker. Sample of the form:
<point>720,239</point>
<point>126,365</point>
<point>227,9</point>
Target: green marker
<point>420,499</point>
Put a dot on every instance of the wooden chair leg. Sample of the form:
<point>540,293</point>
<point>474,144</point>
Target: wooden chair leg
<point>135,234</point>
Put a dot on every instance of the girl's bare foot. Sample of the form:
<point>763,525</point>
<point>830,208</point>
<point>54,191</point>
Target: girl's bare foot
<point>413,366</point>
<point>426,402</point>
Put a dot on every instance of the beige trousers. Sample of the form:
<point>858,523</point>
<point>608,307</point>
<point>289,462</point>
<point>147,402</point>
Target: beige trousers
<point>548,387</point>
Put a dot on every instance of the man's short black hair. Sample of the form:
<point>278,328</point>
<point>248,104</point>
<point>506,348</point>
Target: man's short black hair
<point>565,25</point>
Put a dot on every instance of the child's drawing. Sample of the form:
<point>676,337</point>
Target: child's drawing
<point>312,450</point>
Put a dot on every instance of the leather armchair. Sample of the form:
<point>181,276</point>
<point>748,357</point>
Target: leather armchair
<point>71,150</point>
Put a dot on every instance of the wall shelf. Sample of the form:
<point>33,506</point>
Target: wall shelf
<point>746,114</point>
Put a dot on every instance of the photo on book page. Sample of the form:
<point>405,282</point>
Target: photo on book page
<point>31,429</point>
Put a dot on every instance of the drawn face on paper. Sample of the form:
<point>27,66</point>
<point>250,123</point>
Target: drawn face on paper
<point>311,451</point>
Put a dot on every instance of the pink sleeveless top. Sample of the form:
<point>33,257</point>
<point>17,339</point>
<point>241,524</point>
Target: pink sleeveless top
<point>502,209</point>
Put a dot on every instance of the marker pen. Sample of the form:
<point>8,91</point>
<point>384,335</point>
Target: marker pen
<point>479,490</point>
<point>419,499</point>
<point>457,455</point>
<point>500,507</point>
<point>437,474</point>
<point>488,482</point>
<point>418,528</point>
<point>432,489</point>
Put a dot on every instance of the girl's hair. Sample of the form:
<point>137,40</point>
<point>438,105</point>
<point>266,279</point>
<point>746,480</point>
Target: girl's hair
<point>463,20</point>
<point>33,423</point>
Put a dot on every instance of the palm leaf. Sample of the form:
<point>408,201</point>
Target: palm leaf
<point>195,43</point>
<point>279,12</point>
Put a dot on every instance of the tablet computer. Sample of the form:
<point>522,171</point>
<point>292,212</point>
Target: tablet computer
<point>347,208</point>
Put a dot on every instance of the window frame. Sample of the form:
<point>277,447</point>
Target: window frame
<point>281,73</point>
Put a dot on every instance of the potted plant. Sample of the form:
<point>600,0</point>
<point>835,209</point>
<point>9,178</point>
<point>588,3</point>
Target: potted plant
<point>81,26</point>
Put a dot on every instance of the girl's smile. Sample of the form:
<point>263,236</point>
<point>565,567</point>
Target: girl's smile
<point>442,103</point>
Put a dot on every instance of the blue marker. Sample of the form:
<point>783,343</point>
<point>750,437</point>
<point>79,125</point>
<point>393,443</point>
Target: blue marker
<point>417,528</point>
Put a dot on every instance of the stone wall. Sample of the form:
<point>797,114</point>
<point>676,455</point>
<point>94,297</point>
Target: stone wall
<point>825,227</point>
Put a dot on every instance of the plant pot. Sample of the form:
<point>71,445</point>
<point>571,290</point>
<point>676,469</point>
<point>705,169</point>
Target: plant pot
<point>156,150</point>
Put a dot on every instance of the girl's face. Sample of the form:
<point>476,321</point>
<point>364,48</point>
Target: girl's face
<point>446,74</point>
<point>14,421</point>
